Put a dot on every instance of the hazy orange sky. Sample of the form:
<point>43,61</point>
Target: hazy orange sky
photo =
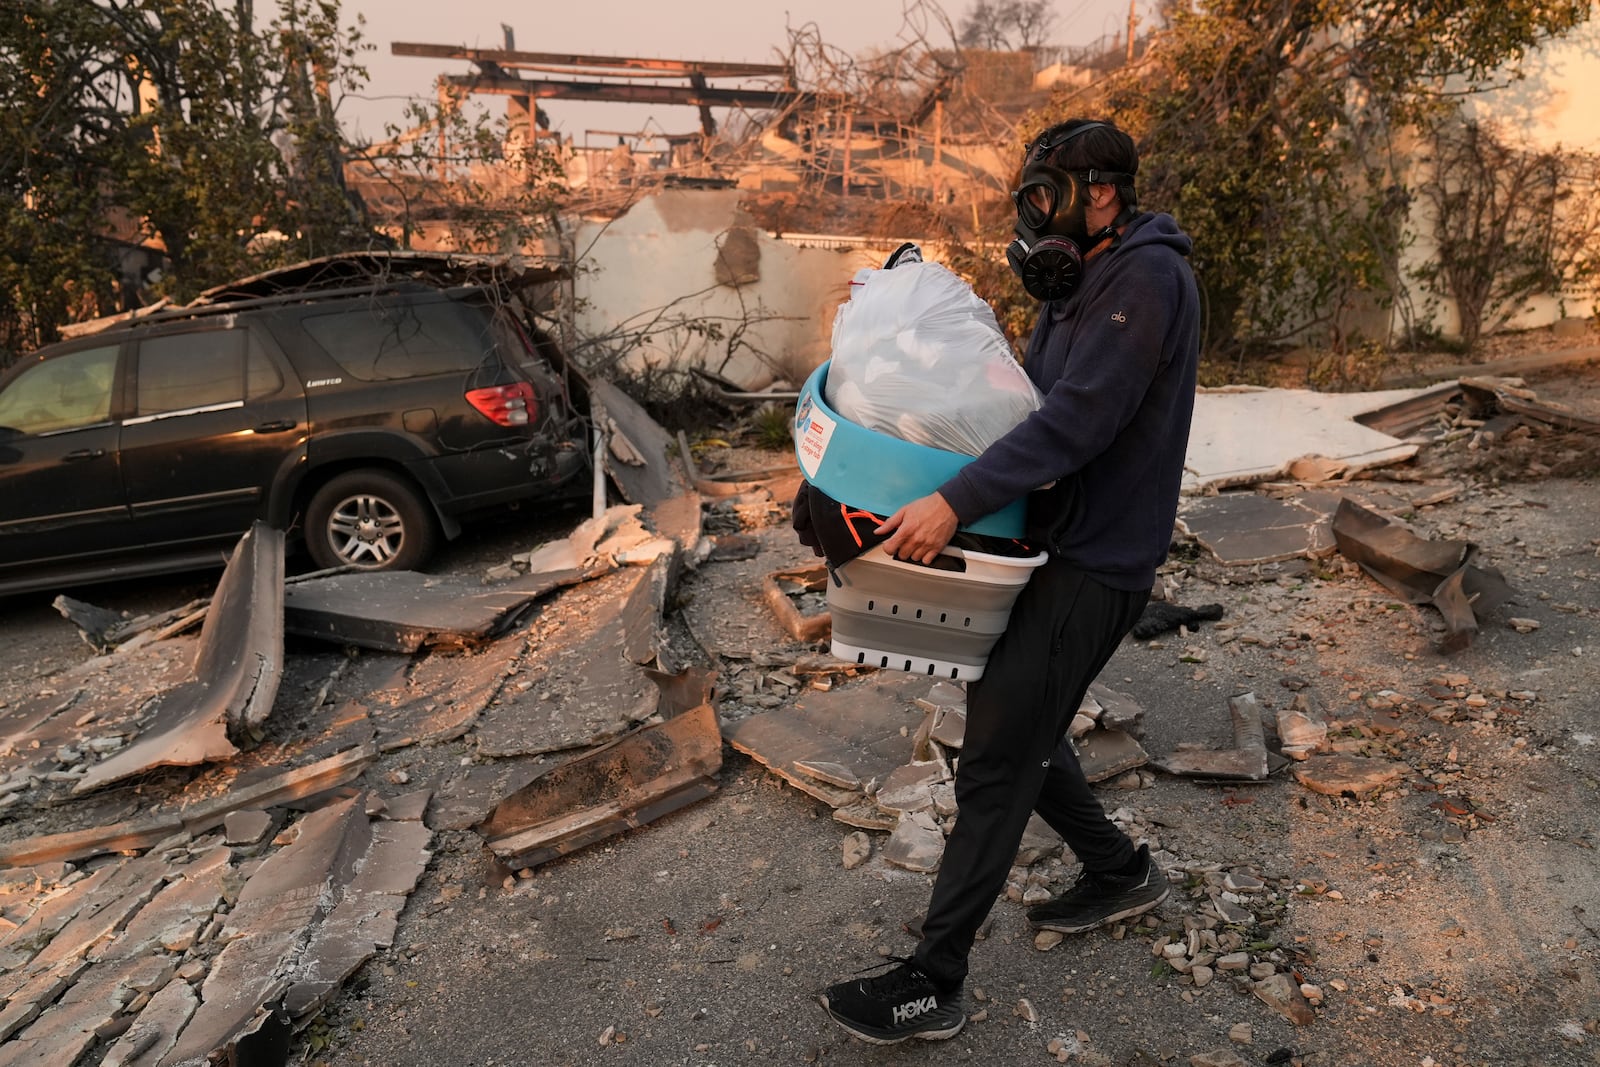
<point>749,30</point>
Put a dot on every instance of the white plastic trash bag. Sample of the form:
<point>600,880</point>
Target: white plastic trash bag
<point>918,355</point>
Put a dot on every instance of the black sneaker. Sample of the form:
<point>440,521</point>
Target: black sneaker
<point>1097,899</point>
<point>901,1003</point>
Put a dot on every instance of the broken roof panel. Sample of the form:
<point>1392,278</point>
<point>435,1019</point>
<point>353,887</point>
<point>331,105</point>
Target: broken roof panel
<point>858,727</point>
<point>1242,435</point>
<point>628,783</point>
<point>401,611</point>
<point>582,683</point>
<point>236,671</point>
<point>1440,573</point>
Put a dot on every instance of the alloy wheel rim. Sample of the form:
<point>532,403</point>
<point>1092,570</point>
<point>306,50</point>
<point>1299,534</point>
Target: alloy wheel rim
<point>365,530</point>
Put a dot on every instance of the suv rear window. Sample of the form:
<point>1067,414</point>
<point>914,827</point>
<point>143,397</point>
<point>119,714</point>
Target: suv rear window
<point>385,339</point>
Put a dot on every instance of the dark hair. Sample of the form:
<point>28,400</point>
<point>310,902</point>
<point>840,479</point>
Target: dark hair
<point>1104,147</point>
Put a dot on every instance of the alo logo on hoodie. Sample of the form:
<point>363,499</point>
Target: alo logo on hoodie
<point>1117,316</point>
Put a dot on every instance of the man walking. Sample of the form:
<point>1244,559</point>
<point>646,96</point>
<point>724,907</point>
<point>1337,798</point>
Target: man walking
<point>1114,352</point>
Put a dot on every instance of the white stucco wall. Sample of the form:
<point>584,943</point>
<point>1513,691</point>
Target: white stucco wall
<point>658,264</point>
<point>1553,108</point>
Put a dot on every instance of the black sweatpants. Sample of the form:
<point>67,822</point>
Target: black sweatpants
<point>1016,757</point>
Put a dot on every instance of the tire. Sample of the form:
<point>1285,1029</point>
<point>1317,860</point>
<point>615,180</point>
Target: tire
<point>370,520</point>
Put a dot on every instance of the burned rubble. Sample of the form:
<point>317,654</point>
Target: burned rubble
<point>164,914</point>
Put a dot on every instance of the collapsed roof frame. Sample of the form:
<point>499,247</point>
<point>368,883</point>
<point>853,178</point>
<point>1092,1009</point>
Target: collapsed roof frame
<point>611,78</point>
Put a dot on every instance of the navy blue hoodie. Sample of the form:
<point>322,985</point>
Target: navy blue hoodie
<point>1116,363</point>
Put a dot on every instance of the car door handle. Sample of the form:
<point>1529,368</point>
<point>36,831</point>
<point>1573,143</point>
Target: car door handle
<point>83,453</point>
<point>276,426</point>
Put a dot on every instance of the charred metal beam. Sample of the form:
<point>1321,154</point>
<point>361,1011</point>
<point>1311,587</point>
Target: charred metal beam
<point>511,58</point>
<point>768,99</point>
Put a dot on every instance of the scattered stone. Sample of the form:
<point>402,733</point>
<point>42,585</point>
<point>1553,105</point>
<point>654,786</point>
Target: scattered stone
<point>1222,1057</point>
<point>917,843</point>
<point>1358,776</point>
<point>1282,995</point>
<point>1045,940</point>
<point>857,850</point>
<point>1301,727</point>
<point>1241,1034</point>
<point>1239,882</point>
<point>246,827</point>
<point>1523,626</point>
<point>1026,1011</point>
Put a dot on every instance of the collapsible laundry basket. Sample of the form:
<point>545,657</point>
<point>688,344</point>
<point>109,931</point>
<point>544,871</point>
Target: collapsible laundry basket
<point>940,619</point>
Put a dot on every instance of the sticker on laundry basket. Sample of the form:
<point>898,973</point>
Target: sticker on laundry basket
<point>812,431</point>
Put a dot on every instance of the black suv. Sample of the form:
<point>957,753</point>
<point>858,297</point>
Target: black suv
<point>366,402</point>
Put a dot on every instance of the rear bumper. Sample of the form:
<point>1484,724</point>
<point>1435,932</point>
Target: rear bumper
<point>489,477</point>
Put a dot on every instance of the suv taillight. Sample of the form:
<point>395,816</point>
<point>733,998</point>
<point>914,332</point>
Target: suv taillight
<point>508,405</point>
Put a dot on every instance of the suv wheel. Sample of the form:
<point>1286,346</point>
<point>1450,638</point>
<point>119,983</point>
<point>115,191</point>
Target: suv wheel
<point>371,520</point>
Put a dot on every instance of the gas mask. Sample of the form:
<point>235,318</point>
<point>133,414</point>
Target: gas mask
<point>1052,231</point>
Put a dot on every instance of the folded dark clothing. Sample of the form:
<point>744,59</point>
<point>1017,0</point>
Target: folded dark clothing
<point>839,532</point>
<point>1159,616</point>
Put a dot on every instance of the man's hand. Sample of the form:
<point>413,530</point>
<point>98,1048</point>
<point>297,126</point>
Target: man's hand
<point>920,529</point>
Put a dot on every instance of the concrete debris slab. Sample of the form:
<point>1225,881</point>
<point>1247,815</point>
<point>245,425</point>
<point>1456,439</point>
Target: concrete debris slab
<point>590,542</point>
<point>62,1035</point>
<point>246,827</point>
<point>1302,729</point>
<point>1243,435</point>
<point>66,925</point>
<point>782,589</point>
<point>307,916</point>
<point>466,799</point>
<point>948,726</point>
<point>865,726</point>
<point>1341,775</point>
<point>730,548</point>
<point>408,807</point>
<point>236,671</point>
<point>155,1031</point>
<point>285,787</point>
<point>428,699</point>
<point>403,611</point>
<point>1118,711</point>
<point>1242,529</point>
<point>832,773</point>
<point>128,836</point>
<point>1439,573</point>
<point>632,781</point>
<point>856,810</point>
<point>365,917</point>
<point>678,518</point>
<point>585,683</point>
<point>1105,753</point>
<point>639,453</point>
<point>102,696</point>
<point>1245,761</point>
<point>909,787</point>
<point>917,843</point>
<point>173,919</point>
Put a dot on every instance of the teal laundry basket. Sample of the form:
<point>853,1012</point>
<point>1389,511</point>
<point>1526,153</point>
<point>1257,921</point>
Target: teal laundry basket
<point>940,620</point>
<point>874,471</point>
